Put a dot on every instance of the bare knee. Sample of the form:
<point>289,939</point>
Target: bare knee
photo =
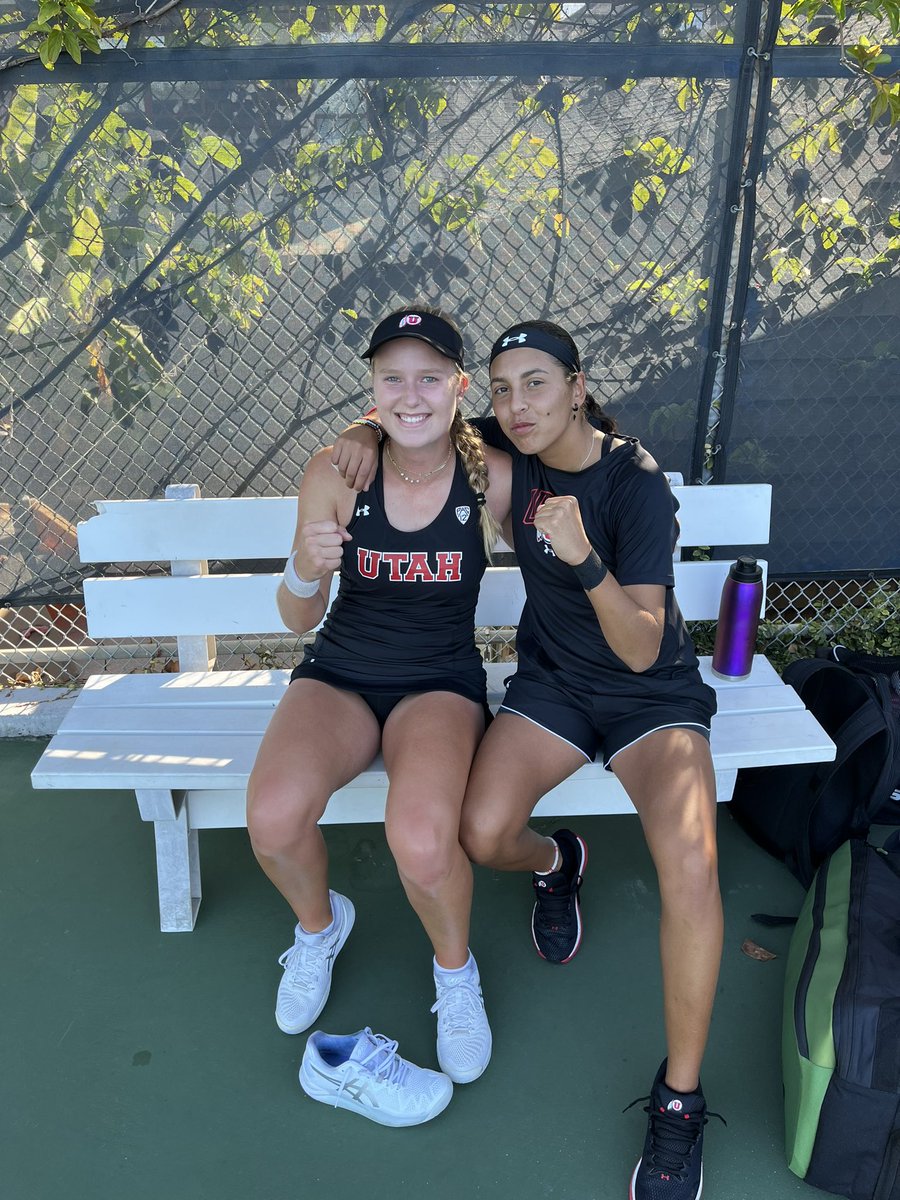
<point>482,838</point>
<point>688,874</point>
<point>279,816</point>
<point>424,856</point>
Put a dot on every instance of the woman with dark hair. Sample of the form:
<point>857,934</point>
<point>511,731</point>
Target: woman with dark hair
<point>605,666</point>
<point>394,667</point>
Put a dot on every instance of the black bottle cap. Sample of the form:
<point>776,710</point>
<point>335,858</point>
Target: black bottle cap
<point>746,569</point>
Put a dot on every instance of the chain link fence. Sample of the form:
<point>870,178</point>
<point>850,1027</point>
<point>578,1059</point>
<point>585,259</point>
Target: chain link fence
<point>192,254</point>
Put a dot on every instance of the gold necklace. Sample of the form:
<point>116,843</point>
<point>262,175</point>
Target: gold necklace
<point>419,478</point>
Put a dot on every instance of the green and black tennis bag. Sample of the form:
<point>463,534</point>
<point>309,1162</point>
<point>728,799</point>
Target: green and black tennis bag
<point>841,1031</point>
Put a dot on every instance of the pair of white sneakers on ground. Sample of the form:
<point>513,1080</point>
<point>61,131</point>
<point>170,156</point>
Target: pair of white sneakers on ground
<point>363,1072</point>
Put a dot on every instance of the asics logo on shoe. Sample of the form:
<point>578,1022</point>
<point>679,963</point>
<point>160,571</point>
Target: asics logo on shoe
<point>358,1089</point>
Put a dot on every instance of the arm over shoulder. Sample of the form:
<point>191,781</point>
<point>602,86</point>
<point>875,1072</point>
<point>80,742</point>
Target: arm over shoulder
<point>499,467</point>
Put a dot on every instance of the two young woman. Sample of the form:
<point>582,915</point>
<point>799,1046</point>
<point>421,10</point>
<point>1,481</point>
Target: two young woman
<point>605,665</point>
<point>394,668</point>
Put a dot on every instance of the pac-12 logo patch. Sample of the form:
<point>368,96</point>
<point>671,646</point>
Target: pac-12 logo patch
<point>410,319</point>
<point>463,513</point>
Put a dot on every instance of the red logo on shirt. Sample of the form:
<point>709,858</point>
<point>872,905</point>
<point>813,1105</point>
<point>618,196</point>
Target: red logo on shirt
<point>537,499</point>
<point>400,567</point>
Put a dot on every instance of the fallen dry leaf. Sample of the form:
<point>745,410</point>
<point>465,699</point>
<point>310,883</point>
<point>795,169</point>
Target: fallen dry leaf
<point>752,950</point>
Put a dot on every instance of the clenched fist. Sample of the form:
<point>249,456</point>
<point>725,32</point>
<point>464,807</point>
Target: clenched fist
<point>559,520</point>
<point>320,549</point>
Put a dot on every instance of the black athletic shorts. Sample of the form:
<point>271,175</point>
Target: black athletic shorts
<point>383,704</point>
<point>605,722</point>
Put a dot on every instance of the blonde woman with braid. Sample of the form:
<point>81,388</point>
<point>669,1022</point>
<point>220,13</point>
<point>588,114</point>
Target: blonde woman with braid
<point>394,668</point>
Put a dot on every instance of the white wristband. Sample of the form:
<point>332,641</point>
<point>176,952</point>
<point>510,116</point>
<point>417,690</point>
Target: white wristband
<point>303,589</point>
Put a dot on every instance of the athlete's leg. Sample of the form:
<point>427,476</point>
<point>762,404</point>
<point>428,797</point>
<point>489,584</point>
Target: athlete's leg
<point>319,738</point>
<point>428,742</point>
<point>669,776</point>
<point>517,762</point>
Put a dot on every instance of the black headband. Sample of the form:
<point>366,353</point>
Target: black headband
<point>539,339</point>
<point>426,327</point>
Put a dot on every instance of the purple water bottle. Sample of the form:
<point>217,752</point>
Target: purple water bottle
<point>738,619</point>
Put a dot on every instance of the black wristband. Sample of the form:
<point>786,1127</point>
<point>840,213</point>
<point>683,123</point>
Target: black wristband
<point>373,425</point>
<point>591,572</point>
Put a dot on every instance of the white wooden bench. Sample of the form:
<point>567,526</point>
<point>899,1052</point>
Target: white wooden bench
<point>186,742</point>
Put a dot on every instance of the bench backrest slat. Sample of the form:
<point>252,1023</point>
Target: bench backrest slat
<point>239,604</point>
<point>263,527</point>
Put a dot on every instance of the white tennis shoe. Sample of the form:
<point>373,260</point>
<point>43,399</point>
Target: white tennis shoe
<point>308,964</point>
<point>363,1073</point>
<point>464,1039</point>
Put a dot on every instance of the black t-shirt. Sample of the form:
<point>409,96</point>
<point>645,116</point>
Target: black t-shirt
<point>628,512</point>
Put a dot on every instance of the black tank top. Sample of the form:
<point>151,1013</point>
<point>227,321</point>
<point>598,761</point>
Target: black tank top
<point>404,618</point>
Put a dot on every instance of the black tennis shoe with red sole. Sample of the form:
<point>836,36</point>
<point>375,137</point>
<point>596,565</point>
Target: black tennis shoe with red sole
<point>556,918</point>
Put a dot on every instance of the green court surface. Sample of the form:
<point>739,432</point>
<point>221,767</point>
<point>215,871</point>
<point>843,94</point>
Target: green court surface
<point>138,1065</point>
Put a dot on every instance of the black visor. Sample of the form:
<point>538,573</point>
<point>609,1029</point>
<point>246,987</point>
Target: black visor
<point>425,326</point>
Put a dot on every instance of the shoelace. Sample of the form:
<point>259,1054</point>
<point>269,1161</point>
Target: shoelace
<point>382,1061</point>
<point>456,1006</point>
<point>673,1137</point>
<point>554,906</point>
<point>303,962</point>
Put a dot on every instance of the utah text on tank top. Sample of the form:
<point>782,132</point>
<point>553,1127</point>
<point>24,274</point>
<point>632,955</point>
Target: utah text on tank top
<point>405,613</point>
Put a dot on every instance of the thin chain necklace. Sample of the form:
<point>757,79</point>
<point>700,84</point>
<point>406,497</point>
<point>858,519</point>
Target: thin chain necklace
<point>418,478</point>
<point>586,457</point>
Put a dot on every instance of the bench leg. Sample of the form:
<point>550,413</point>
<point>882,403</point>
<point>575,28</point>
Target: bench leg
<point>725,781</point>
<point>177,859</point>
<point>178,873</point>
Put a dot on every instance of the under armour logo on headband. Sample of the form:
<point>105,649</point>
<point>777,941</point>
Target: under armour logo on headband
<point>535,337</point>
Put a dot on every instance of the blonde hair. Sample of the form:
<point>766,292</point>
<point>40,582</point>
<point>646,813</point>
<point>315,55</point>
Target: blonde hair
<point>468,444</point>
<point>470,447</point>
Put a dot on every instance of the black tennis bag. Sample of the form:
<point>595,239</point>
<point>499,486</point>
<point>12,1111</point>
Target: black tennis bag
<point>801,813</point>
<point>841,1026</point>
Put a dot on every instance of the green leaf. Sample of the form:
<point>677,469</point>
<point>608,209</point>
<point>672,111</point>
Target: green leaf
<point>48,10</point>
<point>222,151</point>
<point>878,107</point>
<point>72,45</point>
<point>186,189</point>
<point>87,235</point>
<point>35,258</point>
<point>77,284</point>
<point>140,142</point>
<point>78,15</point>
<point>31,316</point>
<point>50,49</point>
